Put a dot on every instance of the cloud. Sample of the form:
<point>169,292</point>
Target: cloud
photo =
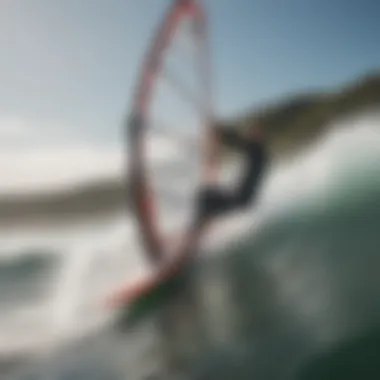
<point>53,166</point>
<point>50,168</point>
<point>16,130</point>
<point>13,128</point>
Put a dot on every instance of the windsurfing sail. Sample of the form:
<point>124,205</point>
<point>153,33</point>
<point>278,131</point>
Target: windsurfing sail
<point>171,144</point>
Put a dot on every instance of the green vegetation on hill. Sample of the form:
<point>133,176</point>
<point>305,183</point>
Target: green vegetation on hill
<point>299,120</point>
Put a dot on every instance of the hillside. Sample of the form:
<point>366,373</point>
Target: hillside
<point>298,120</point>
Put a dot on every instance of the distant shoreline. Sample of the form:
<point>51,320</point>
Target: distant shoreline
<point>86,201</point>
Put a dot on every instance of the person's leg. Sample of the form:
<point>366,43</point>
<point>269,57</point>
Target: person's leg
<point>247,187</point>
<point>214,202</point>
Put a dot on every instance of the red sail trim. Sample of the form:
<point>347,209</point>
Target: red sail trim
<point>143,200</point>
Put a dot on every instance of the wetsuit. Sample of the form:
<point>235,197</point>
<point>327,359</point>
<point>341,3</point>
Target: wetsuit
<point>215,201</point>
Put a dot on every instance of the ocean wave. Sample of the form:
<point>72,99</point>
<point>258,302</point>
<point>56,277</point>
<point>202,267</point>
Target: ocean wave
<point>298,282</point>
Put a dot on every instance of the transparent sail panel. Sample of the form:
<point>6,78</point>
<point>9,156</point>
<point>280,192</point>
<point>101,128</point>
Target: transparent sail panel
<point>176,129</point>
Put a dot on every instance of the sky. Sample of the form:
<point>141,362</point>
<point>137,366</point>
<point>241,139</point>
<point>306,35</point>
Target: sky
<point>68,67</point>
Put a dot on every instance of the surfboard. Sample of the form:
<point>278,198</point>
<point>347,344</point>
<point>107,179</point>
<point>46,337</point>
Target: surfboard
<point>145,297</point>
